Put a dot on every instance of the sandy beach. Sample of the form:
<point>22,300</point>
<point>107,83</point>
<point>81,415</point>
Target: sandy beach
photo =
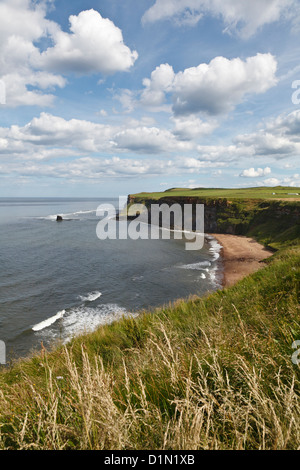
<point>241,256</point>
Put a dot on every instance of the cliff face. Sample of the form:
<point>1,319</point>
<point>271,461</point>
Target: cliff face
<point>267,218</point>
<point>213,208</point>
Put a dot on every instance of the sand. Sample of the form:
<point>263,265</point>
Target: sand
<point>241,256</point>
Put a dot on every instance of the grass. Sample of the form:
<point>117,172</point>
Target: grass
<point>202,373</point>
<point>207,373</point>
<point>278,192</point>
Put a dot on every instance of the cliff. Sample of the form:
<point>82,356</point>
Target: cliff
<point>270,221</point>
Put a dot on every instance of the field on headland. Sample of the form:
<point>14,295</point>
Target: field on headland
<point>203,373</point>
<point>278,192</point>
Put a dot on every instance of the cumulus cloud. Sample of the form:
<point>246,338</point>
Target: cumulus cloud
<point>95,45</point>
<point>272,182</point>
<point>149,140</point>
<point>161,81</point>
<point>240,16</point>
<point>252,173</point>
<point>18,94</point>
<point>213,88</point>
<point>77,150</point>
<point>217,87</point>
<point>23,18</point>
<point>22,24</point>
<point>58,147</point>
<point>48,131</point>
<point>279,138</point>
<point>229,153</point>
<point>95,168</point>
<point>191,127</point>
<point>293,180</point>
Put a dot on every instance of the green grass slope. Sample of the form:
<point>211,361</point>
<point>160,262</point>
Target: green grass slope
<point>207,373</point>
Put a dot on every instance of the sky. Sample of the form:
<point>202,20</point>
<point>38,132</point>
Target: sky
<point>102,98</point>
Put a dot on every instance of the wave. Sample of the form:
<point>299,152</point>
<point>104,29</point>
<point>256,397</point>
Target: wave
<point>211,266</point>
<point>85,319</point>
<point>137,278</point>
<point>90,297</point>
<point>85,212</point>
<point>215,276</point>
<point>65,216</point>
<point>200,266</point>
<point>81,319</point>
<point>215,247</point>
<point>48,322</point>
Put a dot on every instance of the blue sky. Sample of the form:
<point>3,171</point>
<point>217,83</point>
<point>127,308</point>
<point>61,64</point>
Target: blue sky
<point>110,97</point>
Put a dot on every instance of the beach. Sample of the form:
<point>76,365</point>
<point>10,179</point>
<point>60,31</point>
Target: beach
<point>241,256</point>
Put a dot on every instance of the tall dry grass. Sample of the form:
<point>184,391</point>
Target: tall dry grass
<point>212,407</point>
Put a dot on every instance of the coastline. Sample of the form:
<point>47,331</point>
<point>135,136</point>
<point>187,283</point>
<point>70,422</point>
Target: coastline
<point>240,256</point>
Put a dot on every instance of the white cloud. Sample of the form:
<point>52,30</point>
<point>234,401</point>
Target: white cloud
<point>127,99</point>
<point>86,137</point>
<point>161,81</point>
<point>22,24</point>
<point>272,182</point>
<point>219,86</point>
<point>49,130</point>
<point>18,94</point>
<point>149,140</point>
<point>293,180</point>
<point>95,168</point>
<point>191,127</point>
<point>95,45</point>
<point>252,173</point>
<point>213,88</point>
<point>23,18</point>
<point>279,138</point>
<point>241,16</point>
<point>229,153</point>
<point>60,147</point>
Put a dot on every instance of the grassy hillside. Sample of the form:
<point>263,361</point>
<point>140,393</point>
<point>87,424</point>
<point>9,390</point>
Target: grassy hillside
<point>278,192</point>
<point>205,373</point>
<point>210,373</point>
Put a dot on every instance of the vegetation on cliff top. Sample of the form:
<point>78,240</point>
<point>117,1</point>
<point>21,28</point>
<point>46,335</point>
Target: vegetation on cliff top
<point>205,373</point>
<point>277,192</point>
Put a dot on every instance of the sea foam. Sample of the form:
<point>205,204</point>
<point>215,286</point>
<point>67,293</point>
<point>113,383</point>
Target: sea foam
<point>90,297</point>
<point>199,266</point>
<point>81,319</point>
<point>49,321</point>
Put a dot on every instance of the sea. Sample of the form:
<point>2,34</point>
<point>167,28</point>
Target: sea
<point>58,279</point>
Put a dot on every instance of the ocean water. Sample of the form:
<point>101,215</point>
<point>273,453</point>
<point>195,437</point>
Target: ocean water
<point>57,279</point>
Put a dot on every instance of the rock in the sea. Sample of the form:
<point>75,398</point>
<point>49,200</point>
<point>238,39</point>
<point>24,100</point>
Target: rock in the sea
<point>59,218</point>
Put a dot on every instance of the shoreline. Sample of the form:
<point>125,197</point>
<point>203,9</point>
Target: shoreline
<point>240,256</point>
